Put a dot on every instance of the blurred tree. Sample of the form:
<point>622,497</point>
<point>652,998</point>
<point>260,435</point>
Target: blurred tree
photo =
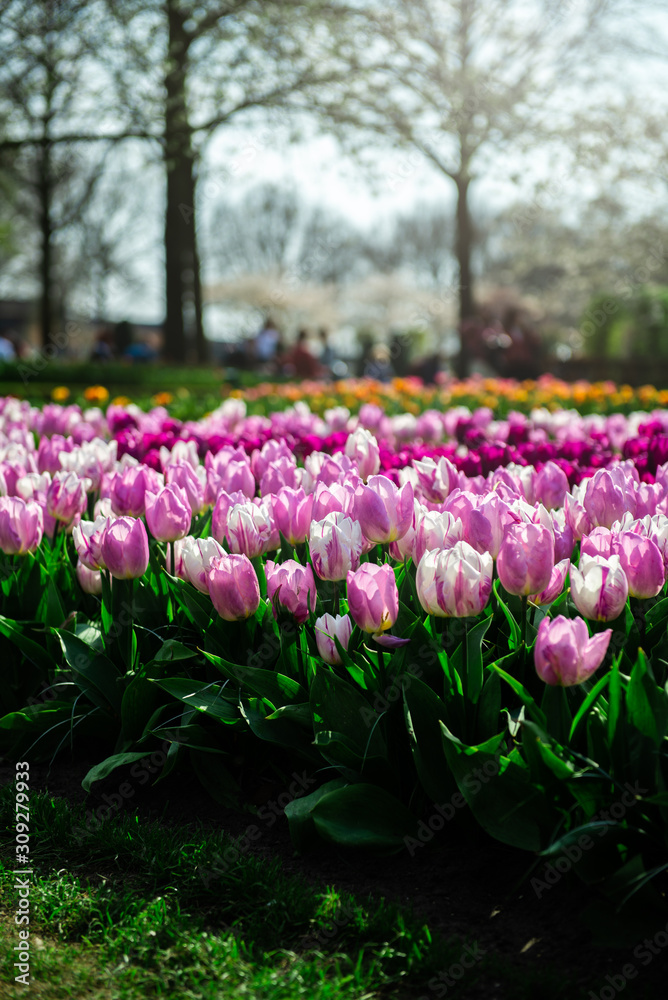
<point>193,67</point>
<point>480,86</point>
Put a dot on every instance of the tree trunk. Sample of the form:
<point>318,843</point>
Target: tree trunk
<point>184,335</point>
<point>44,185</point>
<point>463,247</point>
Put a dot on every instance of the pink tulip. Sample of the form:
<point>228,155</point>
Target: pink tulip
<point>196,557</point>
<point>599,542</point>
<point>90,580</point>
<point>436,530</point>
<point>125,548</point>
<point>223,505</point>
<point>237,476</point>
<point>486,524</point>
<point>362,449</point>
<point>373,598</point>
<point>384,510</point>
<point>563,536</point>
<point>128,488</point>
<point>550,485</point>
<point>168,513</point>
<point>455,582</point>
<point>607,496</point>
<point>599,587</point>
<point>292,586</point>
<point>555,585</point>
<point>642,562</point>
<point>233,587</point>
<point>66,496</point>
<point>184,475</point>
<point>564,653</point>
<point>87,537</point>
<point>526,559</point>
<point>335,498</point>
<point>327,627</point>
<point>577,518</point>
<point>282,472</point>
<point>335,546</point>
<point>404,547</point>
<point>436,480</point>
<point>21,526</point>
<point>292,513</point>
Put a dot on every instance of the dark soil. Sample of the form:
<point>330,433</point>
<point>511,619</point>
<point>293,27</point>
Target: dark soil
<point>462,884</point>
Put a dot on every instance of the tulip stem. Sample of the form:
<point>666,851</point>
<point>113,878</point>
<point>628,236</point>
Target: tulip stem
<point>524,600</point>
<point>335,599</point>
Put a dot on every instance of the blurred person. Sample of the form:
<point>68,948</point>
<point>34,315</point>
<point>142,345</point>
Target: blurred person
<point>299,361</point>
<point>379,365</point>
<point>522,353</point>
<point>7,348</point>
<point>267,343</point>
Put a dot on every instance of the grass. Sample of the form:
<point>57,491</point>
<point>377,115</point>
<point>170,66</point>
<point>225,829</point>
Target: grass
<point>138,909</point>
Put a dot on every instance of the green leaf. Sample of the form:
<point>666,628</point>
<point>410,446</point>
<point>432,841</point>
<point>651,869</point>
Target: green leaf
<point>269,684</point>
<point>95,673</point>
<point>587,704</point>
<point>173,650</point>
<point>339,707</point>
<point>364,817</point>
<point>472,677</point>
<point>615,700</point>
<point>215,777</point>
<point>15,631</point>
<point>515,640</point>
<point>523,694</point>
<point>646,703</point>
<point>423,712</point>
<point>201,696</point>
<point>298,812</point>
<point>104,769</point>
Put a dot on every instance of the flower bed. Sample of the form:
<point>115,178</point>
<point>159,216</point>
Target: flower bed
<point>442,616</point>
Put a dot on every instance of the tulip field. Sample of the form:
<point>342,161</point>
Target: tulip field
<point>434,610</point>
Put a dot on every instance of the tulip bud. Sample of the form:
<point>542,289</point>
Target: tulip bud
<point>90,580</point>
<point>196,556</point>
<point>292,513</point>
<point>234,587</point>
<point>335,546</point>
<point>250,529</point>
<point>326,629</point>
<point>125,548</point>
<point>564,653</point>
<point>373,598</point>
<point>455,582</point>
<point>550,485</point>
<point>66,496</point>
<point>193,481</point>
<point>436,530</point>
<point>555,585</point>
<point>87,537</point>
<point>642,562</point>
<point>599,587</point>
<point>292,586</point>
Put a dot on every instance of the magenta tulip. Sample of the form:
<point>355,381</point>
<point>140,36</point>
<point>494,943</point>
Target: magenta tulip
<point>327,628</point>
<point>234,587</point>
<point>21,526</point>
<point>292,586</point>
<point>599,587</point>
<point>607,496</point>
<point>564,653</point>
<point>373,598</point>
<point>486,524</point>
<point>168,513</point>
<point>384,510</point>
<point>192,481</point>
<point>526,559</point>
<point>125,548</point>
<point>128,488</point>
<point>550,485</point>
<point>455,582</point>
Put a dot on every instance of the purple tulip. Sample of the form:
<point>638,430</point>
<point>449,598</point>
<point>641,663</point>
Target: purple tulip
<point>128,488</point>
<point>335,545</point>
<point>332,499</point>
<point>373,598</point>
<point>327,628</point>
<point>550,485</point>
<point>564,653</point>
<point>599,542</point>
<point>125,548</point>
<point>455,582</point>
<point>191,480</point>
<point>234,587</point>
<point>607,496</point>
<point>599,587</point>
<point>526,559</point>
<point>555,585</point>
<point>486,524</point>
<point>383,510</point>
<point>293,586</point>
<point>223,505</point>
<point>642,562</point>
<point>168,513</point>
<point>21,526</point>
<point>292,512</point>
<point>66,496</point>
